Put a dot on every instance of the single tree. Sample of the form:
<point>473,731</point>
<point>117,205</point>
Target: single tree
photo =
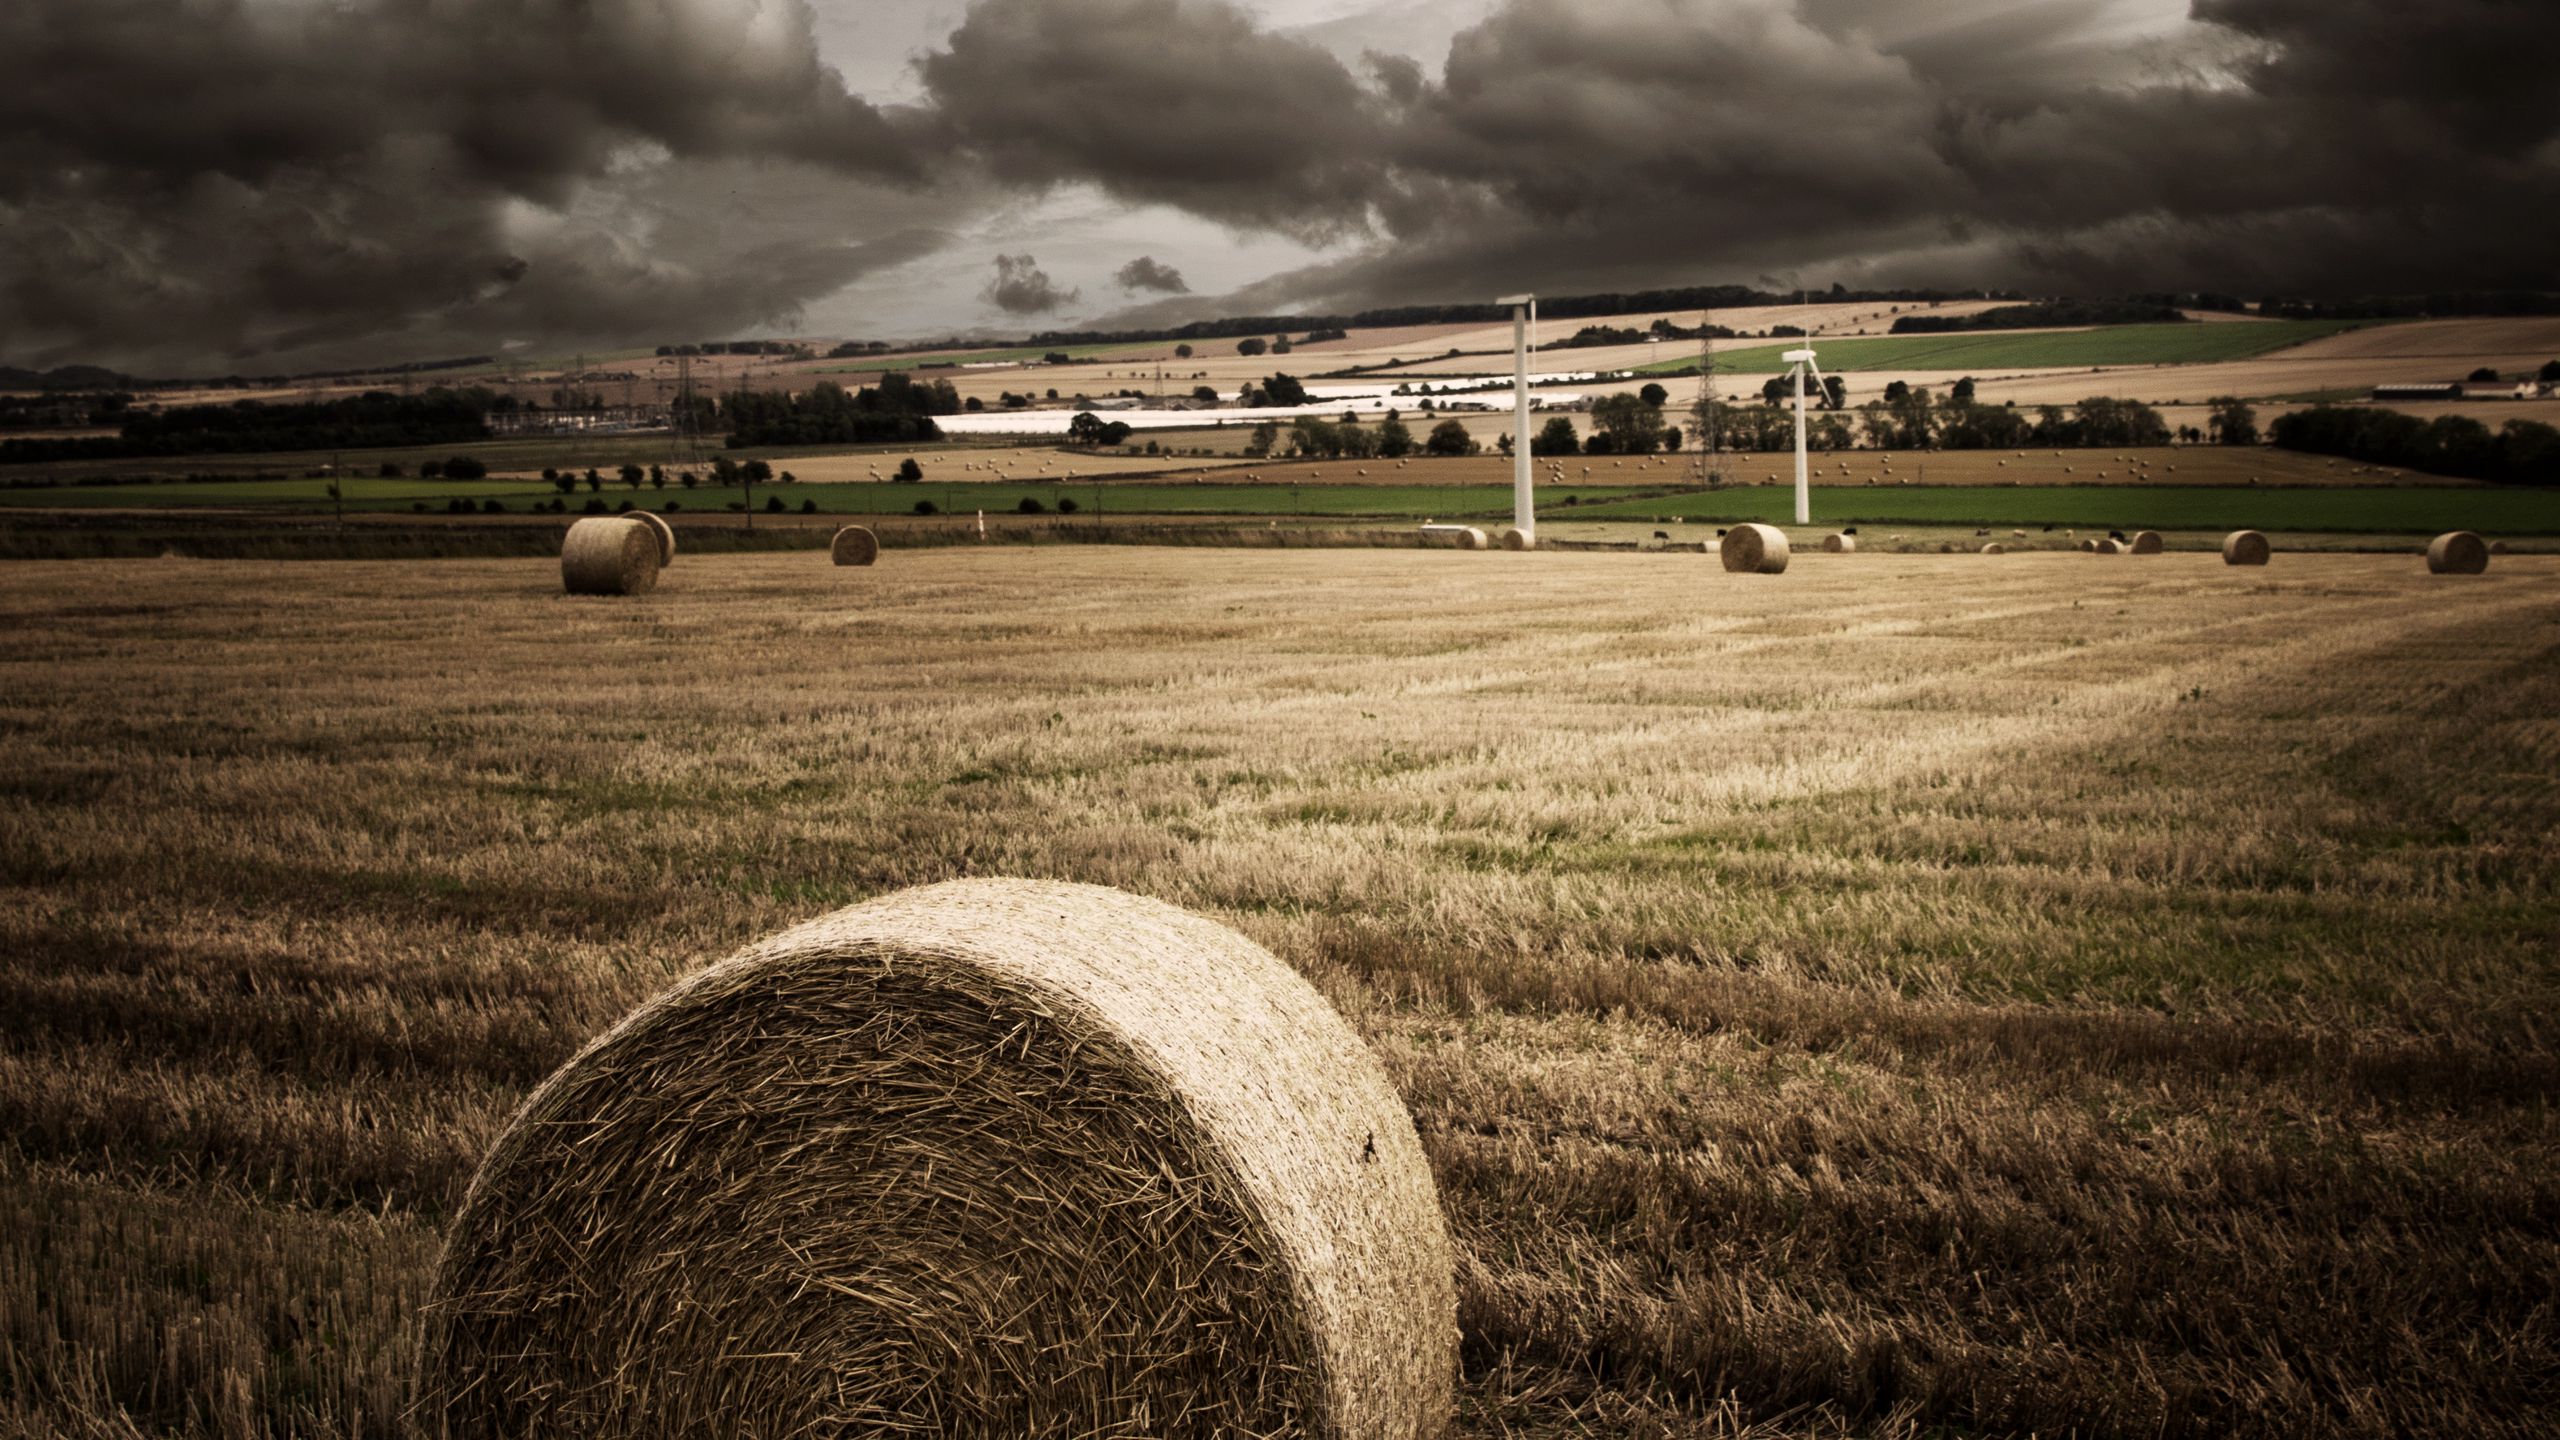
<point>1252,345</point>
<point>1284,389</point>
<point>1450,439</point>
<point>909,471</point>
<point>1654,395</point>
<point>2234,421</point>
<point>1557,438</point>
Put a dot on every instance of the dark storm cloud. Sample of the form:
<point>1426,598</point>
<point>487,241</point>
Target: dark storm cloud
<point>1148,273</point>
<point>2347,144</point>
<point>1021,287</point>
<point>191,178</point>
<point>193,183</point>
<point>1188,103</point>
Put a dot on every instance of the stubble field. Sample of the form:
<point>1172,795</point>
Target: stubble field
<point>1909,995</point>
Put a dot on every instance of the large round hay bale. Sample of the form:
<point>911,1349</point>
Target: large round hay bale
<point>1754,550</point>
<point>2111,546</point>
<point>2148,542</point>
<point>1518,540</point>
<point>854,545</point>
<point>2245,547</point>
<point>1995,548</point>
<point>991,1157</point>
<point>1840,544</point>
<point>665,532</point>
<point>609,555</point>
<point>2457,552</point>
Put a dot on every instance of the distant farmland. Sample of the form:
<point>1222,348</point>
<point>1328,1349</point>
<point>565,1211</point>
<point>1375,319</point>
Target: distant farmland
<point>2363,509</point>
<point>2044,350</point>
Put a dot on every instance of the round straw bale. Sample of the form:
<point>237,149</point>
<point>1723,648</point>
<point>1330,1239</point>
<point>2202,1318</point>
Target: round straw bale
<point>1517,540</point>
<point>1995,548</point>
<point>2457,552</point>
<point>2245,547</point>
<point>2110,546</point>
<point>666,534</point>
<point>2497,547</point>
<point>990,1157</point>
<point>609,555</point>
<point>1754,550</point>
<point>2088,547</point>
<point>854,545</point>
<point>1840,544</point>
<point>2147,542</point>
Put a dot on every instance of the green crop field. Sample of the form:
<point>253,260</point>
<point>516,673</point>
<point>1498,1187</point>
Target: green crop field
<point>2370,509</point>
<point>2361,509</point>
<point>2189,344</point>
<point>1106,497</point>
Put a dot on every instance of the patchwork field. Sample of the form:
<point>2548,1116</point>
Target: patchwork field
<point>1932,996</point>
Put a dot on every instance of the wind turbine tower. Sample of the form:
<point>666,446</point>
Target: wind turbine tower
<point>1524,513</point>
<point>1800,363</point>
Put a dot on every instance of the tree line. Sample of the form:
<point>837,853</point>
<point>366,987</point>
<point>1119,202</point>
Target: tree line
<point>375,420</point>
<point>2044,314</point>
<point>2521,452</point>
<point>899,409</point>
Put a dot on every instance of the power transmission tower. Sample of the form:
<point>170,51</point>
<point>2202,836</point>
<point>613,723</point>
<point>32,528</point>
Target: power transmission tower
<point>1707,469</point>
<point>684,449</point>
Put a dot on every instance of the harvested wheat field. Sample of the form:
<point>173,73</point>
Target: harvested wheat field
<point>1903,996</point>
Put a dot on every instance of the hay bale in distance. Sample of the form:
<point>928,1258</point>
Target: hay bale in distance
<point>1517,540</point>
<point>609,555</point>
<point>2245,547</point>
<point>1754,550</point>
<point>2497,547</point>
<point>1995,548</point>
<point>2457,552</point>
<point>2148,542</point>
<point>1463,537</point>
<point>1028,1158</point>
<point>2111,546</point>
<point>2088,547</point>
<point>854,545</point>
<point>1840,544</point>
<point>665,532</point>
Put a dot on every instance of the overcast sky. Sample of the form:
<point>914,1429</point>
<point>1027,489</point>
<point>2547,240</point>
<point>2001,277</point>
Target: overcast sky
<point>194,185</point>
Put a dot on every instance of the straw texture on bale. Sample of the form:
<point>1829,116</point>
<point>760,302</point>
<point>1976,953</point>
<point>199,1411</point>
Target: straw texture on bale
<point>2148,542</point>
<point>2110,546</point>
<point>2457,552</point>
<point>1840,544</point>
<point>609,555</point>
<point>1754,550</point>
<point>854,545</point>
<point>1517,540</point>
<point>2245,547</point>
<point>665,532</point>
<point>984,1158</point>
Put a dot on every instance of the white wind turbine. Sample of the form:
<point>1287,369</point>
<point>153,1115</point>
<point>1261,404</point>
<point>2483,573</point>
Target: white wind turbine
<point>1799,363</point>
